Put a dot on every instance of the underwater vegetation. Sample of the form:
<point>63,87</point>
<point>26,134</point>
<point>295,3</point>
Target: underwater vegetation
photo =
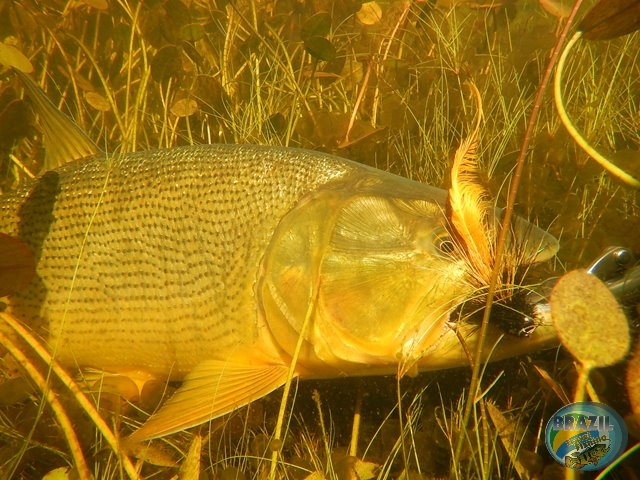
<point>385,84</point>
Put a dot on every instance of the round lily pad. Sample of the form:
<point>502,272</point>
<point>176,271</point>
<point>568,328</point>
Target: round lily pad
<point>589,320</point>
<point>370,13</point>
<point>317,25</point>
<point>320,48</point>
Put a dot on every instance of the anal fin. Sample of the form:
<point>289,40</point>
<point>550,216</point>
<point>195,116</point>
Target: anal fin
<point>213,388</point>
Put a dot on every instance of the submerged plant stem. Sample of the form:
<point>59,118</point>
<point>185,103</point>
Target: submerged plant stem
<point>614,170</point>
<point>508,213</point>
<point>355,430</point>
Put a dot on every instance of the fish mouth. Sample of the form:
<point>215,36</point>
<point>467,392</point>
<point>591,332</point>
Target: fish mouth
<point>520,325</point>
<point>517,311</point>
<point>524,323</point>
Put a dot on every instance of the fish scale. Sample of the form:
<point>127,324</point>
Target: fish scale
<point>156,252</point>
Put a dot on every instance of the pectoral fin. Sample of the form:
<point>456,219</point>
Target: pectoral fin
<point>212,389</point>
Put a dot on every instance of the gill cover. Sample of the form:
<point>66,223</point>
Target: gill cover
<point>364,256</point>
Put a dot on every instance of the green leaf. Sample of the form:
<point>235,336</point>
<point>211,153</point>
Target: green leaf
<point>320,48</point>
<point>611,18</point>
<point>11,56</point>
<point>166,63</point>
<point>192,32</point>
<point>317,25</point>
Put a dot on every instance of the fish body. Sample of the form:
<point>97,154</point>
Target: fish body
<point>159,261</point>
<point>151,259</point>
<point>208,264</point>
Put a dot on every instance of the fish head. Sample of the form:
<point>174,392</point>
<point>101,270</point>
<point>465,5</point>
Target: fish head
<point>365,271</point>
<point>520,319</point>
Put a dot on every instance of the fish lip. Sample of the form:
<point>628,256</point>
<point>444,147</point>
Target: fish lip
<point>538,310</point>
<point>542,315</point>
<point>539,305</point>
<point>421,345</point>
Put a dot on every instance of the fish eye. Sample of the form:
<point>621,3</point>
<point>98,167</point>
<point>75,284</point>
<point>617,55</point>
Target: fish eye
<point>443,242</point>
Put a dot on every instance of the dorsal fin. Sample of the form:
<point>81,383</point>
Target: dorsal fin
<point>64,139</point>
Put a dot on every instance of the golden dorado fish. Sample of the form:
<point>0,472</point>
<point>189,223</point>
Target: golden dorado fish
<point>200,264</point>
